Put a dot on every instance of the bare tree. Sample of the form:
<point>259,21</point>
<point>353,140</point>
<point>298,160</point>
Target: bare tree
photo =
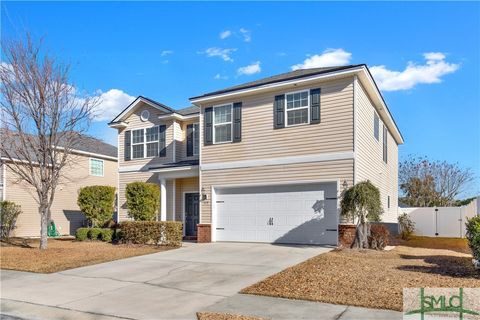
<point>42,119</point>
<point>427,183</point>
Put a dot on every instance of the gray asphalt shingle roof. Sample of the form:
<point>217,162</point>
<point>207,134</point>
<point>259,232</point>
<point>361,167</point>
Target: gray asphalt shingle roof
<point>83,143</point>
<point>296,74</point>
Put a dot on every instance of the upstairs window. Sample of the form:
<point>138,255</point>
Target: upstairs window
<point>222,123</point>
<point>138,144</point>
<point>196,139</point>
<point>376,126</point>
<point>96,167</point>
<point>151,138</point>
<point>297,107</point>
<point>145,143</point>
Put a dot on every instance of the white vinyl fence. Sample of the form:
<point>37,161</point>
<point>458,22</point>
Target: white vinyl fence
<point>442,221</point>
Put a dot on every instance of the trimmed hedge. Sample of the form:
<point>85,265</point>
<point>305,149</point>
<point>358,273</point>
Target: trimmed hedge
<point>473,236</point>
<point>168,233</point>
<point>378,238</point>
<point>106,235</point>
<point>143,200</point>
<point>82,234</point>
<point>103,234</point>
<point>9,212</point>
<point>97,203</point>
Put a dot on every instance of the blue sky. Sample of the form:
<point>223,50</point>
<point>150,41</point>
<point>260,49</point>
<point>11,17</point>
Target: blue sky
<point>424,56</point>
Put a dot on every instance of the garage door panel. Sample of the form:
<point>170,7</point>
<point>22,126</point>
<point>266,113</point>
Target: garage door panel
<point>284,214</point>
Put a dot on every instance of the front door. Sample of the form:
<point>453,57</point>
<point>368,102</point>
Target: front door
<point>191,214</point>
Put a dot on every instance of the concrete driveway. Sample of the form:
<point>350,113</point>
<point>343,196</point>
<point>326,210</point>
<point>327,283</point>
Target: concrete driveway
<point>166,285</point>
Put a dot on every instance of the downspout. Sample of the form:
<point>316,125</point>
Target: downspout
<point>355,80</point>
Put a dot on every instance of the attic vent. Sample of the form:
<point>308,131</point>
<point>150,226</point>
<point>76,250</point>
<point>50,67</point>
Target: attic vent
<point>145,115</point>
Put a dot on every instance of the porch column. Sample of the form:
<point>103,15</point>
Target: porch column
<point>163,199</point>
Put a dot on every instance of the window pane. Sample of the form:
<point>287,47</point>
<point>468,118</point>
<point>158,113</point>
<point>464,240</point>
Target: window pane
<point>96,167</point>
<point>376,126</point>
<point>196,139</point>
<point>223,114</point>
<point>137,151</point>
<point>297,100</point>
<point>297,117</point>
<point>152,149</point>
<point>223,133</point>
<point>151,134</point>
<point>137,136</point>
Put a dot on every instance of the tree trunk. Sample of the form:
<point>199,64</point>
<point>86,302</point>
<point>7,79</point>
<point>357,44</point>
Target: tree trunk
<point>43,227</point>
<point>361,236</point>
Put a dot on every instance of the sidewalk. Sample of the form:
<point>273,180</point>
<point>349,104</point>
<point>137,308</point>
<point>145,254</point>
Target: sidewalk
<point>287,309</point>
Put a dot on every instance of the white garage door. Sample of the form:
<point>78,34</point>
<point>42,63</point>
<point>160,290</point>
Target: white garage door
<point>297,214</point>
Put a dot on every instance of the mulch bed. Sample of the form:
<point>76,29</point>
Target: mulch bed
<point>373,279</point>
<point>224,316</point>
<point>24,255</point>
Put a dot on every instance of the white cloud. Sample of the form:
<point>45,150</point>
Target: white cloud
<point>111,104</point>
<point>225,34</point>
<point>328,58</point>
<point>219,52</point>
<point>250,69</point>
<point>431,72</point>
<point>218,76</point>
<point>247,34</point>
<point>166,53</point>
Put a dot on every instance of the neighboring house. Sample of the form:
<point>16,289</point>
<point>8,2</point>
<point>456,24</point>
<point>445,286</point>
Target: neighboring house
<point>92,162</point>
<point>274,155</point>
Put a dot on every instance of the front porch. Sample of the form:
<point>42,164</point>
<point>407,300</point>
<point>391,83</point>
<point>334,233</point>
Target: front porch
<point>179,194</point>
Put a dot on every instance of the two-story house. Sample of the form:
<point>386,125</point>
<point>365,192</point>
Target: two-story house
<point>91,162</point>
<point>271,156</point>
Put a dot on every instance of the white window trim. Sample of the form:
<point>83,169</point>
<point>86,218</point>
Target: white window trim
<point>223,123</point>
<point>194,130</point>
<point>307,107</point>
<point>144,142</point>
<point>90,167</point>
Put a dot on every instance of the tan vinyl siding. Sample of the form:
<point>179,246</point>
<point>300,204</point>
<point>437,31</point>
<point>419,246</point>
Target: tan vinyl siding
<point>369,155</point>
<point>183,186</point>
<point>65,211</point>
<point>318,171</point>
<point>134,122</point>
<point>260,140</point>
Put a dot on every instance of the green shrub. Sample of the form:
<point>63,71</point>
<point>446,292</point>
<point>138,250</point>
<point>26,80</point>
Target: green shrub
<point>9,212</point>
<point>167,233</point>
<point>106,235</point>
<point>473,236</point>
<point>378,238</point>
<point>97,203</point>
<point>94,233</point>
<point>406,225</point>
<point>143,200</point>
<point>82,234</point>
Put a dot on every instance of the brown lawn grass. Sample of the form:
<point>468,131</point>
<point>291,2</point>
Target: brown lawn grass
<point>373,279</point>
<point>24,255</point>
<point>224,316</point>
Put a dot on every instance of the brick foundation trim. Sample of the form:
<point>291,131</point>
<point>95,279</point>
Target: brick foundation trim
<point>346,235</point>
<point>204,233</point>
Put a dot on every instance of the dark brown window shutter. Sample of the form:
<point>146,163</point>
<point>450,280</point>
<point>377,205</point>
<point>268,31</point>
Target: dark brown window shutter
<point>315,105</point>
<point>237,122</point>
<point>162,147</point>
<point>127,145</point>
<point>208,138</point>
<point>189,140</point>
<point>279,112</point>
